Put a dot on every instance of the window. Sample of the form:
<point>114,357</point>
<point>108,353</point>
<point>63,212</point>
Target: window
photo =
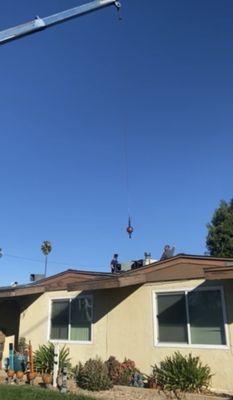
<point>60,320</point>
<point>71,319</point>
<point>191,318</point>
<point>172,318</point>
<point>206,317</point>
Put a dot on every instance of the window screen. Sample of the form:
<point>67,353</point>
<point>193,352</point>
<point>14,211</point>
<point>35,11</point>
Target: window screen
<point>172,318</point>
<point>202,316</point>
<point>206,318</point>
<point>81,319</point>
<point>71,320</point>
<point>60,320</point>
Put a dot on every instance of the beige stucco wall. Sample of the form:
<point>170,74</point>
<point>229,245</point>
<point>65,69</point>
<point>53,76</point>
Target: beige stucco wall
<point>124,327</point>
<point>9,321</point>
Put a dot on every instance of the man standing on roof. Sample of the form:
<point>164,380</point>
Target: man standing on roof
<point>115,266</point>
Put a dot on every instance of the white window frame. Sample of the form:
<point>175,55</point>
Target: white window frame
<point>185,291</point>
<point>89,296</point>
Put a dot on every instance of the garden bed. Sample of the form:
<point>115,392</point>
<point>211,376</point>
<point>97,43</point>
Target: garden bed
<point>26,392</point>
<point>132,393</point>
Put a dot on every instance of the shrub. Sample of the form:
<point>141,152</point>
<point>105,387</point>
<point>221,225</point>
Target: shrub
<point>44,356</point>
<point>113,367</point>
<point>123,373</point>
<point>127,369</point>
<point>93,375</point>
<point>185,373</point>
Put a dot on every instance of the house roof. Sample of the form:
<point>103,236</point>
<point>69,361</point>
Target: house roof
<point>219,273</point>
<point>179,267</point>
<point>55,282</point>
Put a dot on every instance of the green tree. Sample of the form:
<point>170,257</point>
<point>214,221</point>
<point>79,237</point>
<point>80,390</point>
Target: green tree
<point>219,240</point>
<point>46,248</point>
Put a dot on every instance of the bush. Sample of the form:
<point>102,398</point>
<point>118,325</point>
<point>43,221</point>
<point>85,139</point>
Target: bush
<point>93,375</point>
<point>44,356</point>
<point>124,373</point>
<point>113,367</point>
<point>182,373</point>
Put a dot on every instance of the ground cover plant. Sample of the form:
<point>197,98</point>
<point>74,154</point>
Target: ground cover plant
<point>10,392</point>
<point>184,373</point>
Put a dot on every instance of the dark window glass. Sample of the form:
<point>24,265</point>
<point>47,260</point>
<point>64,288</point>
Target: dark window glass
<point>172,318</point>
<point>206,317</point>
<point>81,319</point>
<point>60,320</point>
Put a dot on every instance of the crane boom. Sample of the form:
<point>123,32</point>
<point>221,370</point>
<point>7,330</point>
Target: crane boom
<point>39,24</point>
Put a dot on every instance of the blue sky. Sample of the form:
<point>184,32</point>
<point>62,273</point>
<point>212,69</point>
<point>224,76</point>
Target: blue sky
<point>164,76</point>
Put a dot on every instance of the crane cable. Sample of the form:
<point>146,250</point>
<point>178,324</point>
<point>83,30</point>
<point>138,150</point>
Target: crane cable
<point>126,164</point>
<point>129,228</point>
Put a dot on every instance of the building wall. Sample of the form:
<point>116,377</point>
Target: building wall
<point>124,327</point>
<point>9,325</point>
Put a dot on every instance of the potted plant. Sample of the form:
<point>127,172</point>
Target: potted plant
<point>10,373</point>
<point>47,378</point>
<point>19,376</point>
<point>31,375</point>
<point>44,361</point>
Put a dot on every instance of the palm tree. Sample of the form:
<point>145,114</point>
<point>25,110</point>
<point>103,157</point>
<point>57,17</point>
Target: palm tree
<point>46,248</point>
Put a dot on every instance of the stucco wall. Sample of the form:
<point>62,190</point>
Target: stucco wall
<point>9,323</point>
<point>124,327</point>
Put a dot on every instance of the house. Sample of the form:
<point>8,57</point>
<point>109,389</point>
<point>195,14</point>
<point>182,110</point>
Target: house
<point>183,303</point>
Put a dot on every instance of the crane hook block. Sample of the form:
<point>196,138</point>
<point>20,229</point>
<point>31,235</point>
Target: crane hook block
<point>118,5</point>
<point>129,228</point>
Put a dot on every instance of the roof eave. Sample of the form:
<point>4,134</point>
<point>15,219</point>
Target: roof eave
<point>26,291</point>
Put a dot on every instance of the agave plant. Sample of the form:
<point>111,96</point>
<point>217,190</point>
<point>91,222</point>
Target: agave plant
<point>44,358</point>
<point>185,373</point>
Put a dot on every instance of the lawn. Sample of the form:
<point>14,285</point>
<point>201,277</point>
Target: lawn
<point>8,392</point>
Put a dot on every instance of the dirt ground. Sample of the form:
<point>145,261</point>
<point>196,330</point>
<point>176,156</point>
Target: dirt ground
<point>132,393</point>
<point>120,393</point>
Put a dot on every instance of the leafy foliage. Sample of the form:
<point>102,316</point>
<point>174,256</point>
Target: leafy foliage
<point>44,356</point>
<point>126,372</point>
<point>93,375</point>
<point>113,367</point>
<point>121,373</point>
<point>46,247</point>
<point>220,231</point>
<point>182,373</point>
<point>9,392</point>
